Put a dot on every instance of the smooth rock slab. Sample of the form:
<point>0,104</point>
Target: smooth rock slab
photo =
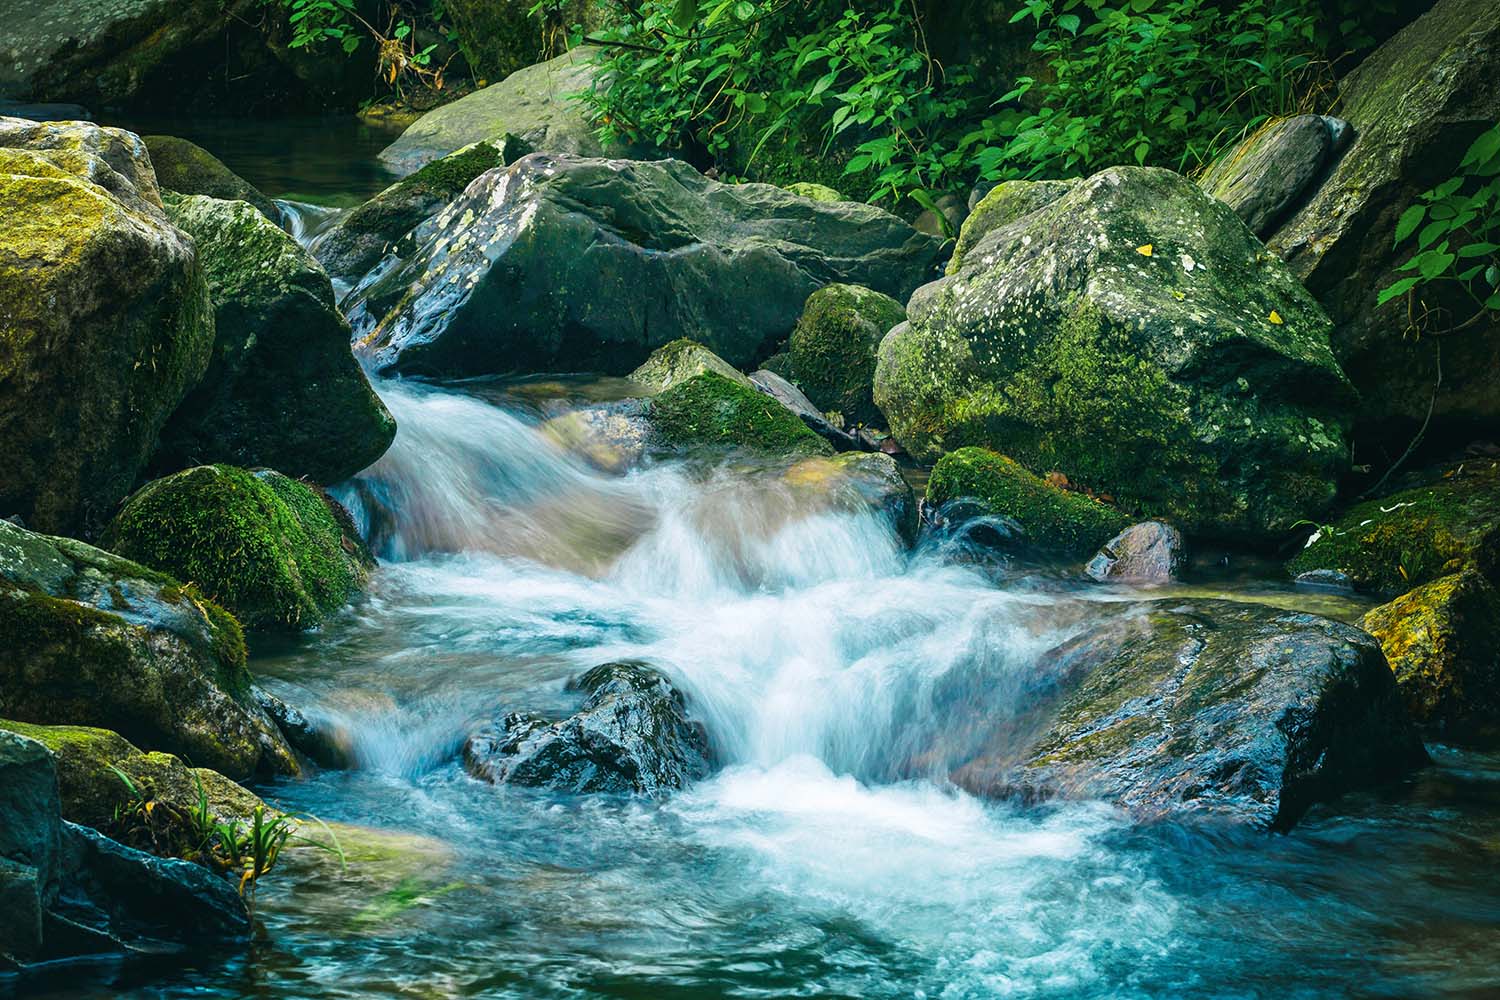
<point>1267,174</point>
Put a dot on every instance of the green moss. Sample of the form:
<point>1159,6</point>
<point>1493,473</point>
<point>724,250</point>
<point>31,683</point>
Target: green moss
<point>817,192</point>
<point>681,360</point>
<point>264,546</point>
<point>1417,535</point>
<point>185,168</point>
<point>448,176</point>
<point>709,410</point>
<point>833,348</point>
<point>1053,518</point>
<point>1004,204</point>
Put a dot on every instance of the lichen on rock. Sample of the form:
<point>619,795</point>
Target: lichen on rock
<point>833,348</point>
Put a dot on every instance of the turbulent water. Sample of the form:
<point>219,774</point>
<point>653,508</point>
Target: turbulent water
<point>826,858</point>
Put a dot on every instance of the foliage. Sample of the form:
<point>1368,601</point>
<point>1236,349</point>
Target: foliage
<point>339,22</point>
<point>1454,230</point>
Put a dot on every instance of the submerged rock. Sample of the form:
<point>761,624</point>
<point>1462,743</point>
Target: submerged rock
<point>858,482</point>
<point>1415,535</point>
<point>535,104</point>
<point>1149,552</point>
<point>612,437</point>
<point>68,891</point>
<point>185,168</point>
<point>90,639</point>
<point>1443,642</point>
<point>1415,105</point>
<point>366,234</point>
<point>1269,173</point>
<point>275,552</point>
<point>632,734</point>
<point>1052,518</point>
<point>107,320</point>
<point>283,389</point>
<point>1205,709</point>
<point>1135,337</point>
<point>714,413</point>
<point>833,347</point>
<point>560,261</point>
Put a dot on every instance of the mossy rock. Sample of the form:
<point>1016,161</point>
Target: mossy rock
<point>1416,535</point>
<point>709,411</point>
<point>1005,203</point>
<point>283,389</point>
<point>681,360</point>
<point>1134,336</point>
<point>105,321</point>
<point>817,192</point>
<point>275,552</point>
<point>1443,642</point>
<point>92,792</point>
<point>363,236</point>
<point>1054,519</point>
<point>186,168</point>
<point>88,638</point>
<point>834,345</point>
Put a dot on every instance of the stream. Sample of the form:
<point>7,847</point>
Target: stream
<point>826,857</point>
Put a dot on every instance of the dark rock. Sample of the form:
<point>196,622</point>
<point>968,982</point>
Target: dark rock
<point>283,389</point>
<point>185,168</point>
<point>1205,709</point>
<point>1149,552</point>
<point>314,742</point>
<point>90,639</point>
<point>45,112</point>
<point>1415,105</point>
<point>559,261</point>
<point>1326,580</point>
<point>1134,337</point>
<point>632,734</point>
<point>107,320</point>
<point>791,397</point>
<point>1271,172</point>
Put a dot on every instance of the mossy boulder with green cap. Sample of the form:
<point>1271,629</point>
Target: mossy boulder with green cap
<point>710,413</point>
<point>278,553</point>
<point>834,345</point>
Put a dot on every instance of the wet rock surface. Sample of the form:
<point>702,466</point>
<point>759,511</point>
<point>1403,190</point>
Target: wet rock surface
<point>1270,173</point>
<point>632,734</point>
<point>1150,552</point>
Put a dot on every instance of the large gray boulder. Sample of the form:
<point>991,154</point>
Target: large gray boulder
<point>536,104</point>
<point>631,734</point>
<point>88,638</point>
<point>1212,710</point>
<point>565,262</point>
<point>1134,336</point>
<point>105,315</point>
<point>283,389</point>
<point>68,891</point>
<point>1415,105</point>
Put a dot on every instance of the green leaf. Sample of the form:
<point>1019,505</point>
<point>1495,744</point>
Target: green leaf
<point>1435,264</point>
<point>1396,290</point>
<point>1430,233</point>
<point>1069,23</point>
<point>1484,149</point>
<point>1409,221</point>
<point>744,10</point>
<point>685,14</point>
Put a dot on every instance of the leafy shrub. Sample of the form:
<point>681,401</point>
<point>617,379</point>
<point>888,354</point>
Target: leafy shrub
<point>1455,233</point>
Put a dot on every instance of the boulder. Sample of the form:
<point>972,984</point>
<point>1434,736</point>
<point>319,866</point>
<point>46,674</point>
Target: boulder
<point>560,261</point>
<point>612,437</point>
<point>679,361</point>
<point>68,891</point>
<point>1134,336</point>
<point>105,321</point>
<point>858,482</point>
<point>283,389</point>
<point>277,553</point>
<point>1053,519</point>
<point>535,104</point>
<point>833,348</point>
<point>1415,105</point>
<point>92,793</point>
<point>1208,710</point>
<point>1415,535</point>
<point>499,37</point>
<point>1443,642</point>
<point>185,168</point>
<point>709,413</point>
<point>90,639</point>
<point>631,734</point>
<point>788,395</point>
<point>1149,552</point>
<point>1270,172</point>
<point>362,237</point>
<point>1000,206</point>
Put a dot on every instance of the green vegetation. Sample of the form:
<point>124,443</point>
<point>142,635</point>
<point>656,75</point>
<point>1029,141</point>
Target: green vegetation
<point>271,550</point>
<point>833,348</point>
<point>709,410</point>
<point>1053,518</point>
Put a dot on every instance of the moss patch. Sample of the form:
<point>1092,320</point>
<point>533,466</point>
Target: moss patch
<point>709,410</point>
<point>680,360</point>
<point>1417,535</point>
<point>1053,518</point>
<point>266,547</point>
<point>1005,203</point>
<point>817,192</point>
<point>833,348</point>
<point>186,168</point>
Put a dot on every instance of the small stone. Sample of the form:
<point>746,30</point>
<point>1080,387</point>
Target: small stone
<point>1152,552</point>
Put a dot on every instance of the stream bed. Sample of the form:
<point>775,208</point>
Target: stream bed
<point>821,859</point>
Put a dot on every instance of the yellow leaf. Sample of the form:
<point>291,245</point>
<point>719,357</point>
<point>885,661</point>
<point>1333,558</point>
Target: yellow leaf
<point>1145,251</point>
<point>1179,296</point>
<point>1275,318</point>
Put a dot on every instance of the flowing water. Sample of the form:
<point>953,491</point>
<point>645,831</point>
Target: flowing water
<point>837,673</point>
